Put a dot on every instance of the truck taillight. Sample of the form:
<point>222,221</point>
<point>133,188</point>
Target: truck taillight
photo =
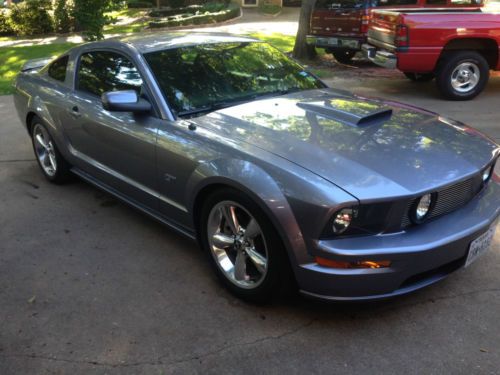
<point>402,36</point>
<point>365,22</point>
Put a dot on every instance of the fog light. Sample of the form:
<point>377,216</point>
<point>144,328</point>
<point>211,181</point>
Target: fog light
<point>342,220</point>
<point>422,208</point>
<point>353,265</point>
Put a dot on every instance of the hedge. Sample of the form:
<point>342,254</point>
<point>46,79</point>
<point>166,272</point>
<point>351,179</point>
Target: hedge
<point>187,19</point>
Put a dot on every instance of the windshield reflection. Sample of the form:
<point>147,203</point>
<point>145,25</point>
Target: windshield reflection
<point>207,77</point>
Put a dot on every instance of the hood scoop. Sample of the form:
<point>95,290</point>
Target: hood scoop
<point>350,112</point>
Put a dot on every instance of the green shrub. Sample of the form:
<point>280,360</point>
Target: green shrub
<point>32,17</point>
<point>63,20</point>
<point>90,17</point>
<point>5,26</point>
<point>198,18</point>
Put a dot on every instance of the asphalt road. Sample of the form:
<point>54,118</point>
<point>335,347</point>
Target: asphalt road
<point>91,286</point>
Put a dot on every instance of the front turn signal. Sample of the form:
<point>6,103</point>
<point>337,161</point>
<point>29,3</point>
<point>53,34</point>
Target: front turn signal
<point>353,265</point>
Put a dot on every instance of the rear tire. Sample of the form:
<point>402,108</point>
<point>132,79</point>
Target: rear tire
<point>462,75</point>
<point>54,167</point>
<point>254,268</point>
<point>343,57</point>
<point>419,77</point>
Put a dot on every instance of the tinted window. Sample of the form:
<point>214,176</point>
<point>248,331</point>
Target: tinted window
<point>436,2</point>
<point>204,76</point>
<point>57,69</point>
<point>101,72</point>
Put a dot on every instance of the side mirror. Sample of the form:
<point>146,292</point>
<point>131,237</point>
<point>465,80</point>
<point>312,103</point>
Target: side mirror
<point>124,101</point>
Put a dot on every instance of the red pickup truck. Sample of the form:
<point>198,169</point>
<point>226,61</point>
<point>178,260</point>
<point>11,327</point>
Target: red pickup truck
<point>458,48</point>
<point>340,26</point>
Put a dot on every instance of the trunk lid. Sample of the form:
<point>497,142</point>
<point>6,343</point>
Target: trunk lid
<point>370,148</point>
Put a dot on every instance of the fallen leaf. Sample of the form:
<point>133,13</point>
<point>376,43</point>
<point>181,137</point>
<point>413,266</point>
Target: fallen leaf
<point>484,350</point>
<point>32,299</point>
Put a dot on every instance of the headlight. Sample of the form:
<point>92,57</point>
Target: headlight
<point>422,208</point>
<point>342,220</point>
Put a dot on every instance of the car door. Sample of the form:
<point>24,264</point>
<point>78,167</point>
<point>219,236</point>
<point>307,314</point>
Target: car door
<point>117,148</point>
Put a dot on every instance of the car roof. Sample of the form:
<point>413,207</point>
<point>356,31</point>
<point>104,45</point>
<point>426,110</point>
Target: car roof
<point>150,42</point>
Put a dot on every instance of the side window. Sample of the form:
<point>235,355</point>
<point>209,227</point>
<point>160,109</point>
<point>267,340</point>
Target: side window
<point>100,72</point>
<point>57,70</point>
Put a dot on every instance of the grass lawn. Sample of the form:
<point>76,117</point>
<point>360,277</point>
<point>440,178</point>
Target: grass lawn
<point>12,58</point>
<point>127,27</point>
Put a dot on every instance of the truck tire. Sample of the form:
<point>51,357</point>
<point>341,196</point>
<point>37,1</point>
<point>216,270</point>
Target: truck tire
<point>419,77</point>
<point>343,57</point>
<point>462,75</point>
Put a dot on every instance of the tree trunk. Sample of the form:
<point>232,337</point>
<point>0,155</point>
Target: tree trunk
<point>9,3</point>
<point>158,5</point>
<point>301,50</point>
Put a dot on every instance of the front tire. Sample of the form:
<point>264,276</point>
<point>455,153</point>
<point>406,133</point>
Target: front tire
<point>244,248</point>
<point>462,75</point>
<point>50,160</point>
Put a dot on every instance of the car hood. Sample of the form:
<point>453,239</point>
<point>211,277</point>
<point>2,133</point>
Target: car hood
<point>373,149</point>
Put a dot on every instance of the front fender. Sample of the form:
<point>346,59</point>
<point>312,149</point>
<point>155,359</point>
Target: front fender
<point>261,187</point>
<point>298,202</point>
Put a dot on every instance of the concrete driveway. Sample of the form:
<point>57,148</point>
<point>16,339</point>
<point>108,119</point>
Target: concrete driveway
<point>91,286</point>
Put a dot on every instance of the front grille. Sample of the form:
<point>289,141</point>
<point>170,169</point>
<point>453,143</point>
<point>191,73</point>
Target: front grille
<point>449,199</point>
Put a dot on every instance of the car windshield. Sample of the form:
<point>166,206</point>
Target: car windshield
<point>205,77</point>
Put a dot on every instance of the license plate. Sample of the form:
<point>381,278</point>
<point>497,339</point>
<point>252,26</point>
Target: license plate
<point>480,245</point>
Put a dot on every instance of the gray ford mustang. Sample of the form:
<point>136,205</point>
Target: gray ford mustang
<point>285,183</point>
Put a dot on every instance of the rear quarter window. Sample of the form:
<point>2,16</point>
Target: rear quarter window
<point>57,69</point>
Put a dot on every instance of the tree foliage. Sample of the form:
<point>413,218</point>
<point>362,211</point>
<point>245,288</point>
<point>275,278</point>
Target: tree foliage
<point>63,16</point>
<point>90,17</point>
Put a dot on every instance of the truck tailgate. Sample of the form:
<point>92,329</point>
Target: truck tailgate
<point>382,31</point>
<point>341,22</point>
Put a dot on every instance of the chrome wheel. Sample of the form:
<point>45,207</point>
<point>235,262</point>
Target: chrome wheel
<point>465,77</point>
<point>237,244</point>
<point>44,150</point>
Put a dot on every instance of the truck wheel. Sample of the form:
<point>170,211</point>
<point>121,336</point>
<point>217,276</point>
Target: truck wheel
<point>343,57</point>
<point>462,75</point>
<point>419,77</point>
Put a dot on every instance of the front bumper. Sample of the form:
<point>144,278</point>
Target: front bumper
<point>420,256</point>
<point>334,42</point>
<point>382,58</point>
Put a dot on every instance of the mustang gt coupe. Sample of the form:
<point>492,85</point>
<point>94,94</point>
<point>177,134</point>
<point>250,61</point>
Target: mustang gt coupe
<point>286,184</point>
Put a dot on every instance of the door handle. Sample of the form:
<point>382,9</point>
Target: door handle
<point>75,112</point>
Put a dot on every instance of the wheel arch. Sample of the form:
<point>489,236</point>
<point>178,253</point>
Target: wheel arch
<point>258,185</point>
<point>487,47</point>
<point>29,119</point>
